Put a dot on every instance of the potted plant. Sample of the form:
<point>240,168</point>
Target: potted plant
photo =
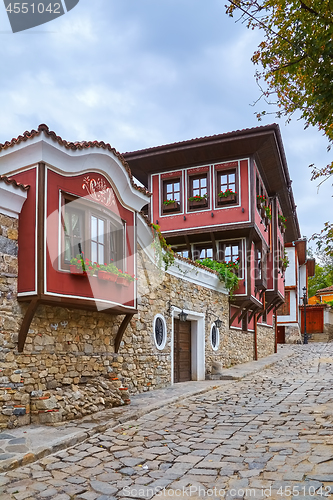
<point>77,265</point>
<point>170,205</point>
<point>282,223</point>
<point>107,272</point>
<point>198,201</point>
<point>261,201</point>
<point>227,196</point>
<point>268,215</point>
<point>124,279</point>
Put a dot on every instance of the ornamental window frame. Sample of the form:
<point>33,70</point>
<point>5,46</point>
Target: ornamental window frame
<point>200,190</point>
<point>234,186</point>
<point>233,243</point>
<point>214,331</point>
<point>159,320</point>
<point>114,236</point>
<point>176,194</point>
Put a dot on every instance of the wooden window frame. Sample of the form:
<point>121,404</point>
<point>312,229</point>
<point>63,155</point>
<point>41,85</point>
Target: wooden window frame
<point>166,209</point>
<point>112,223</point>
<point>197,205</point>
<point>233,200</point>
<point>222,247</point>
<point>199,249</point>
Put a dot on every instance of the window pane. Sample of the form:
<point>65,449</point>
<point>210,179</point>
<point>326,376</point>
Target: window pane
<point>176,186</point>
<point>170,196</point>
<point>204,182</point>
<point>100,254</point>
<point>210,253</point>
<point>232,178</point>
<point>94,228</point>
<point>195,183</point>
<point>196,192</point>
<point>224,179</point>
<point>101,231</point>
<point>68,253</point>
<point>169,188</point>
<point>94,251</point>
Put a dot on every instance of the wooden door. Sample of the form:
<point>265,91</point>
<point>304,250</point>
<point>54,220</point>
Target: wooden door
<point>281,338</point>
<point>314,320</point>
<point>182,351</point>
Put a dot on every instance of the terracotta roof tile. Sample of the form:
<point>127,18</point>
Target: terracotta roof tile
<point>327,289</point>
<point>73,146</point>
<point>8,181</point>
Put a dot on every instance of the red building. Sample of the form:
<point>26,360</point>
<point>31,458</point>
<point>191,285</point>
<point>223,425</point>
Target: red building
<point>82,200</point>
<point>227,197</point>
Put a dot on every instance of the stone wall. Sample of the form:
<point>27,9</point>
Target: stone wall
<point>293,334</point>
<point>69,367</point>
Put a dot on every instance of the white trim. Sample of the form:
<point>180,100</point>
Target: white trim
<point>197,343</point>
<point>23,294</point>
<point>216,348</point>
<point>45,229</point>
<point>162,346</point>
<point>189,272</point>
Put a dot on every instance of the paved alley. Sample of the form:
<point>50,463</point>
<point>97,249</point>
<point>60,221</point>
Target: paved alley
<point>269,435</point>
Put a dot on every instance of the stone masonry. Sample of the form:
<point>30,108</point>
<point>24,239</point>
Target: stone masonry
<point>69,367</point>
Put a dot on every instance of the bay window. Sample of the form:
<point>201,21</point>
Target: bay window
<point>95,231</point>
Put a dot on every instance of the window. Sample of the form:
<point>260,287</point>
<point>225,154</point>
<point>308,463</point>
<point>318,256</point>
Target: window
<point>99,234</point>
<point>214,337</point>
<point>73,232</point>
<point>159,330</point>
<point>171,195</point>
<point>230,252</point>
<point>202,253</point>
<point>226,181</point>
<point>198,189</point>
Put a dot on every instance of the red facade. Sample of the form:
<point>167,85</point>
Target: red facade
<point>225,197</point>
<point>84,192</point>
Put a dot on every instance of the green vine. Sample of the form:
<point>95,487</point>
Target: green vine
<point>163,251</point>
<point>225,274</point>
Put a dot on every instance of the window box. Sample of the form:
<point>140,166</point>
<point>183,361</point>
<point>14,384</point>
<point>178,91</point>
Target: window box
<point>171,207</point>
<point>104,275</point>
<point>78,271</point>
<point>122,281</point>
<point>227,200</point>
<point>198,204</point>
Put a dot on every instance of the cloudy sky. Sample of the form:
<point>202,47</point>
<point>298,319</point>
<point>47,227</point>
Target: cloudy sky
<point>140,73</point>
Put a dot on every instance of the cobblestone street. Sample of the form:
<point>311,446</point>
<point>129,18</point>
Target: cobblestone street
<point>268,435</point>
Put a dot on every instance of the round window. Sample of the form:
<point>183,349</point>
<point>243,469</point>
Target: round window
<point>159,331</point>
<point>214,337</point>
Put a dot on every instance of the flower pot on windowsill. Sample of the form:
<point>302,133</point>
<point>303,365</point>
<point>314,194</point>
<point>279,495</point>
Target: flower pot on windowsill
<point>122,281</point>
<point>263,212</point>
<point>106,276</point>
<point>171,207</point>
<point>267,221</point>
<point>78,271</point>
<point>198,204</point>
<point>226,200</point>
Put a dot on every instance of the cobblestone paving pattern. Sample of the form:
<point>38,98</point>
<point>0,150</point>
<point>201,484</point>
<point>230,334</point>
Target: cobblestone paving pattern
<point>269,435</point>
